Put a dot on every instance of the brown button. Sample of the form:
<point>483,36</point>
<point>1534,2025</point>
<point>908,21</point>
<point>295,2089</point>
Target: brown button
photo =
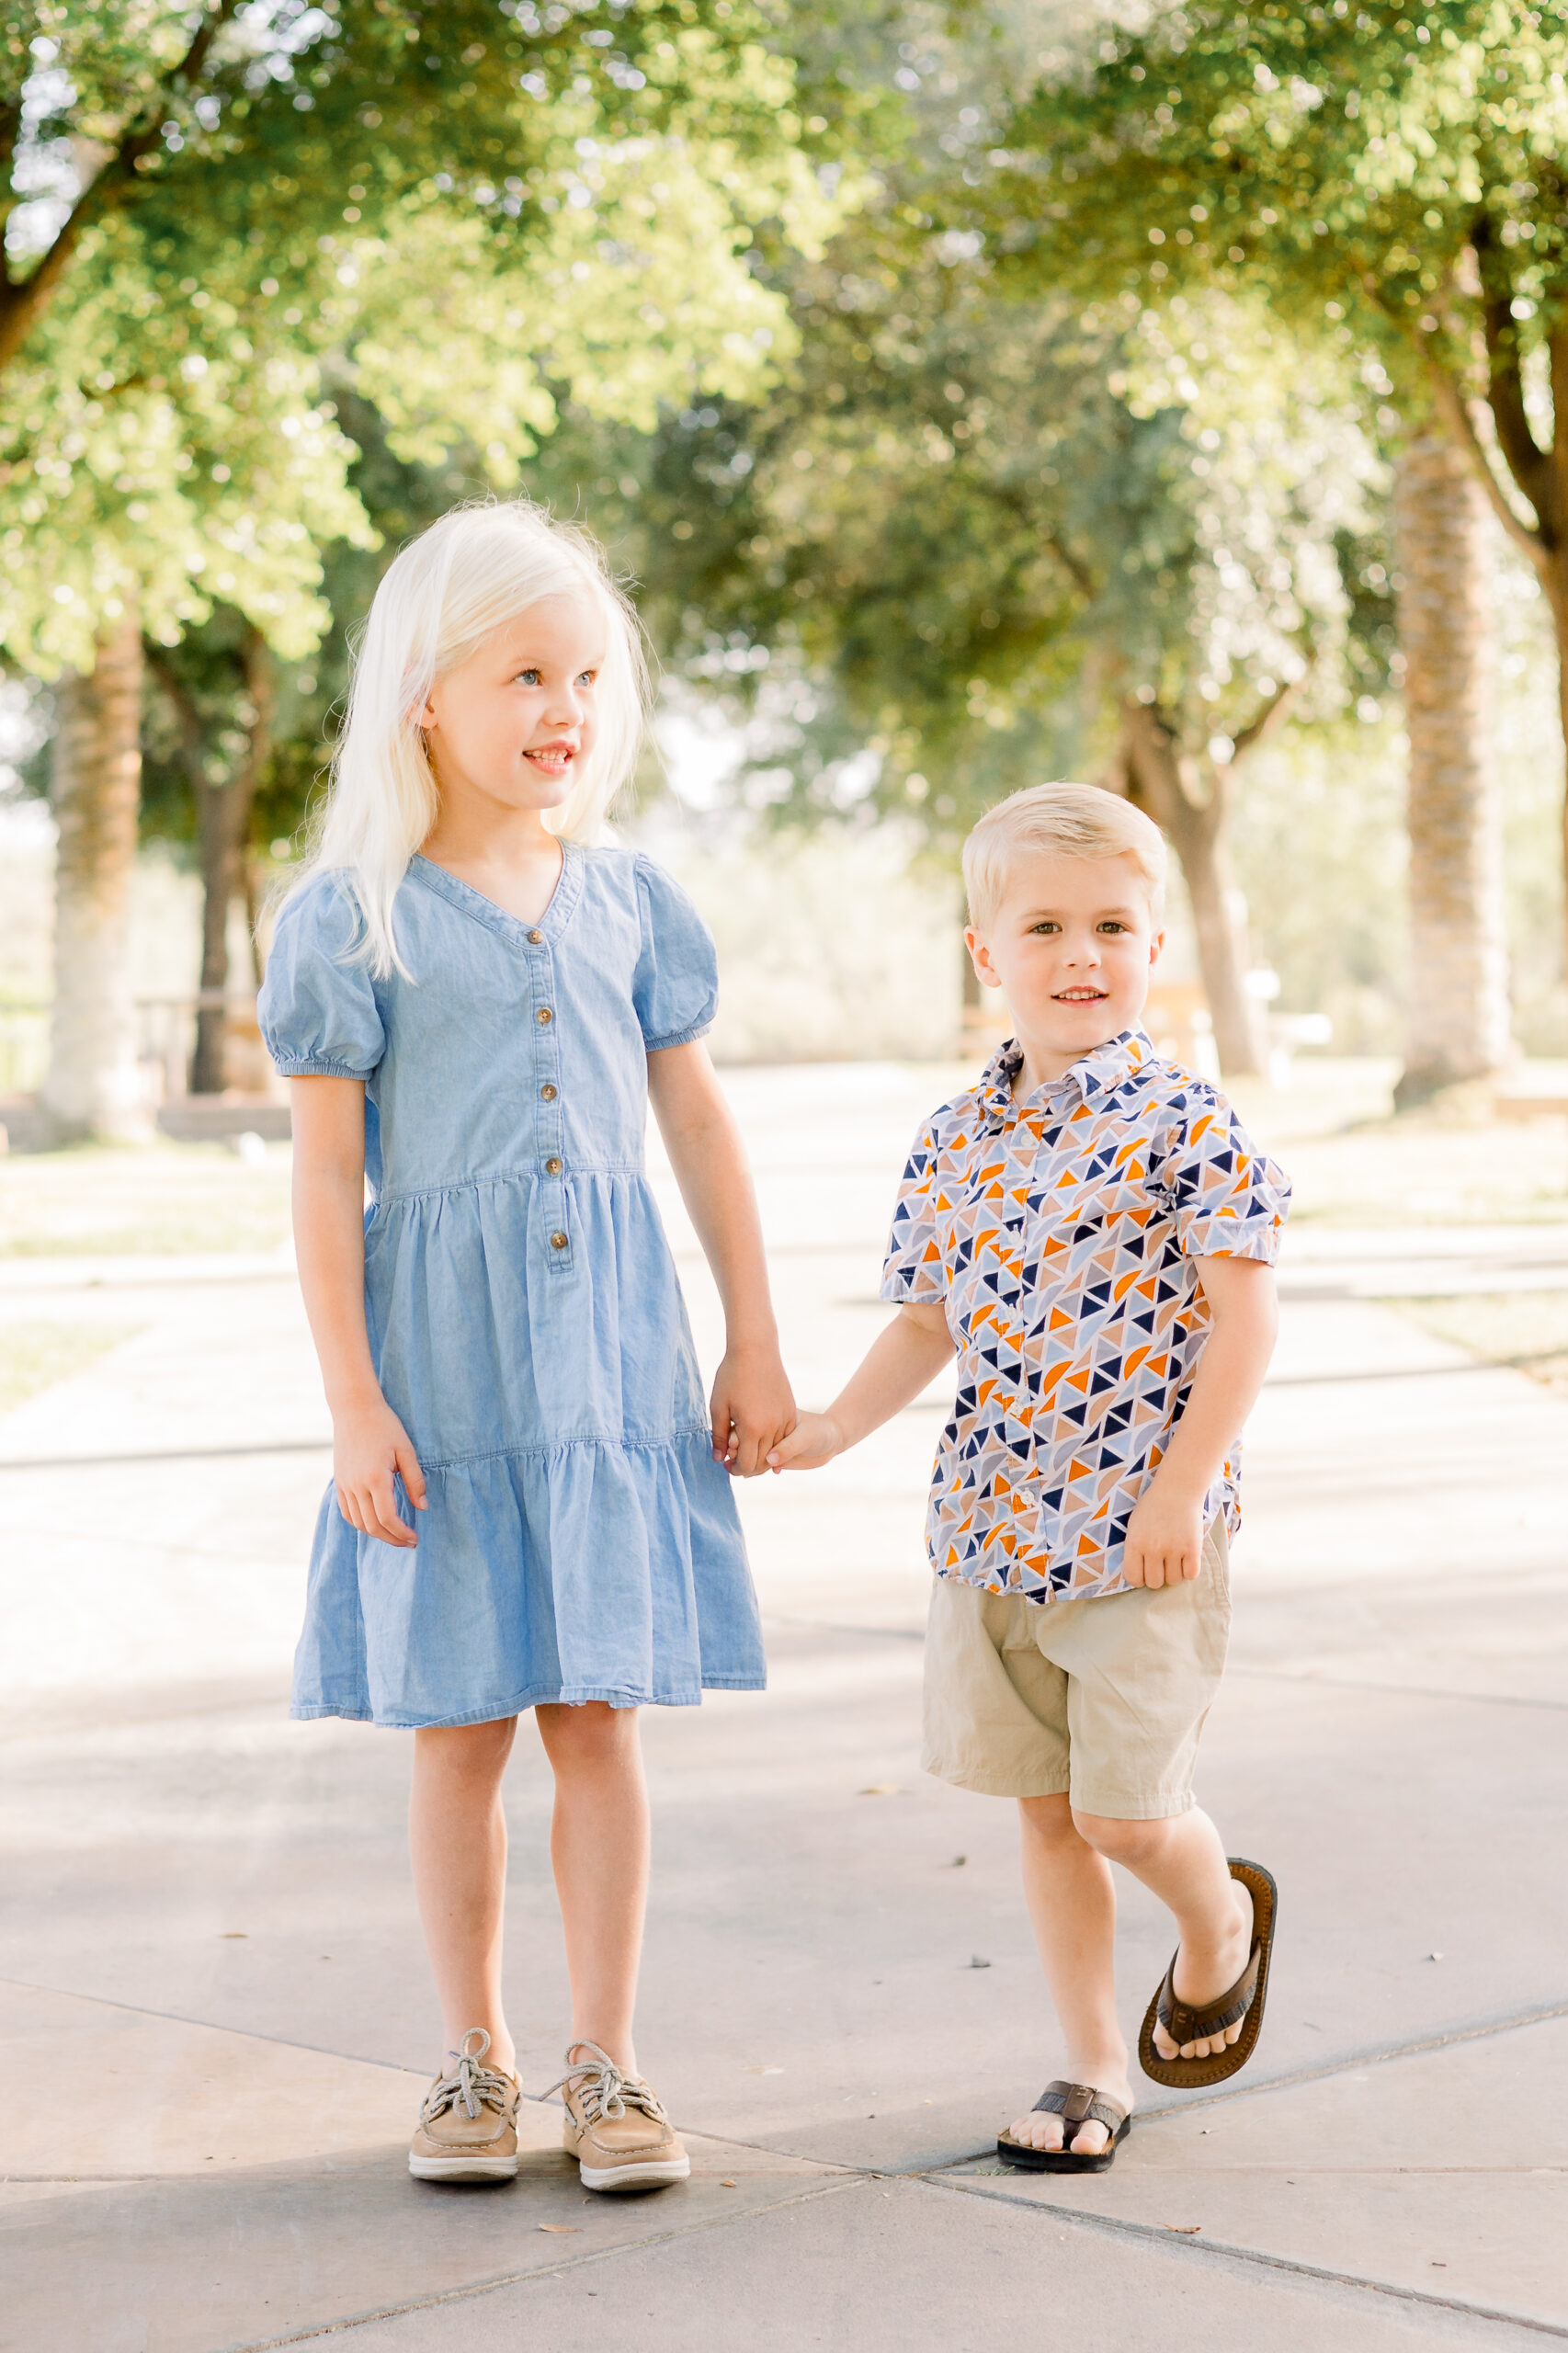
<point>547,1094</point>
<point>558,1242</point>
<point>544,1017</point>
<point>535,939</point>
<point>552,1168</point>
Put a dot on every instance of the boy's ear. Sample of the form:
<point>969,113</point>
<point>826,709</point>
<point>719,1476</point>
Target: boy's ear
<point>980,955</point>
<point>1157,946</point>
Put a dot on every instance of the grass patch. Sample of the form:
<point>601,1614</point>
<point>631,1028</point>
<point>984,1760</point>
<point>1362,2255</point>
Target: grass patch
<point>162,1200</point>
<point>1501,1326</point>
<point>35,1355</point>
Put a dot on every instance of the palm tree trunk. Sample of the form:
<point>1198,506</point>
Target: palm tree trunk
<point>93,1086</point>
<point>223,824</point>
<point>1194,822</point>
<point>1457,1026</point>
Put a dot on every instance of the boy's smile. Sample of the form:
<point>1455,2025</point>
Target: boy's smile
<point>1071,946</point>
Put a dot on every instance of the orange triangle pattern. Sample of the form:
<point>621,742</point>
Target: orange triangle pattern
<point>1063,1236</point>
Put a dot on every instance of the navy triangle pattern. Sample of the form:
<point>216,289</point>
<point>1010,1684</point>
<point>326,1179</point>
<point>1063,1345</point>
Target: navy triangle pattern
<point>1061,1235</point>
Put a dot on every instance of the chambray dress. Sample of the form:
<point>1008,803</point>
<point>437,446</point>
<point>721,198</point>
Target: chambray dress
<point>524,1313</point>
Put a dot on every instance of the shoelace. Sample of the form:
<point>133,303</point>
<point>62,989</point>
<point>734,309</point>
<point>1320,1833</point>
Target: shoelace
<point>469,2082</point>
<point>603,2090</point>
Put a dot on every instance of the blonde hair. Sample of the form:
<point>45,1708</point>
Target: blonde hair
<point>1062,821</point>
<point>477,568</point>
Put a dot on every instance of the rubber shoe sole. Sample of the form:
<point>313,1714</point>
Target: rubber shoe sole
<point>462,2168</point>
<point>651,2175</point>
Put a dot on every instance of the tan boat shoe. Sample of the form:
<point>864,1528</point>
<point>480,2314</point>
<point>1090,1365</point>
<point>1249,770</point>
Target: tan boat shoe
<point>615,2127</point>
<point>468,2126</point>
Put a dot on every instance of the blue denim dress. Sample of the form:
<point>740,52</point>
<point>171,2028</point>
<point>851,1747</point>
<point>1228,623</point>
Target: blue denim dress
<point>524,1312</point>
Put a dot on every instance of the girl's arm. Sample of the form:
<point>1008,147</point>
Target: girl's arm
<point>752,1404</point>
<point>1165,1536</point>
<point>368,1443</point>
<point>893,1371</point>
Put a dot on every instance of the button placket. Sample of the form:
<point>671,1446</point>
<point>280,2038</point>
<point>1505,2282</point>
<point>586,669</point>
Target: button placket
<point>547,1092</point>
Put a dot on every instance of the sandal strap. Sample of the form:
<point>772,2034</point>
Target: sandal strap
<point>1079,2104</point>
<point>1183,2023</point>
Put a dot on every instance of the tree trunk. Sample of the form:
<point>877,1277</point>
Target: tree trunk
<point>93,1087</point>
<point>1457,1026</point>
<point>224,823</point>
<point>1162,781</point>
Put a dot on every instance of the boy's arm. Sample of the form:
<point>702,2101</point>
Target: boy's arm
<point>891,1374</point>
<point>1165,1537</point>
<point>751,1405</point>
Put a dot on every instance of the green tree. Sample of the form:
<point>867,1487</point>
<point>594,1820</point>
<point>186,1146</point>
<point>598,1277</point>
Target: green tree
<point>1001,540</point>
<point>1391,181</point>
<point>527,194</point>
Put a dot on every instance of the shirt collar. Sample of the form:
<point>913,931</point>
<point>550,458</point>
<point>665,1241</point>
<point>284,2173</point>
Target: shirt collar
<point>1100,1072</point>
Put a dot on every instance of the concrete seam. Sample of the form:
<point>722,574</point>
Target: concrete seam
<point>1160,2237</point>
<point>247,2034</point>
<point>1367,2059</point>
<point>926,2166</point>
<point>522,2278</point>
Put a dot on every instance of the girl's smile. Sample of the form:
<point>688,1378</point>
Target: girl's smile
<point>553,758</point>
<point>511,726</point>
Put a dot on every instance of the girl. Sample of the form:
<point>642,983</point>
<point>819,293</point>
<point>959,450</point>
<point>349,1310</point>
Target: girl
<point>530,1504</point>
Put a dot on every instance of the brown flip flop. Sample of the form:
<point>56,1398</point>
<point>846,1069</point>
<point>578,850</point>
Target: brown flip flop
<point>1244,2000</point>
<point>1077,2105</point>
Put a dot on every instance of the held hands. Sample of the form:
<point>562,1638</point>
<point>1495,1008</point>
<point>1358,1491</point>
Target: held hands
<point>815,1439</point>
<point>1165,1537</point>
<point>369,1448</point>
<point>752,1407</point>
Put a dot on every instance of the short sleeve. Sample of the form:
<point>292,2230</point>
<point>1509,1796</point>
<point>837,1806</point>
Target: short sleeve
<point>318,1014</point>
<point>1231,1200</point>
<point>912,1270</point>
<point>675,985</point>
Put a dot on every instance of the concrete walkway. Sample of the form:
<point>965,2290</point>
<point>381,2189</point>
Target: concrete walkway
<point>214,2009</point>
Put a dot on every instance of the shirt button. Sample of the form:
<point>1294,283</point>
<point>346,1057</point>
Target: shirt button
<point>544,1017</point>
<point>547,1094</point>
<point>535,939</point>
<point>558,1242</point>
<point>552,1168</point>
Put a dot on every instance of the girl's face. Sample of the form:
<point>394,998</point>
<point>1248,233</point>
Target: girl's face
<point>513,723</point>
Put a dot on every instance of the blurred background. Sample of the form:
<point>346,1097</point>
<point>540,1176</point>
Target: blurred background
<point>975,396</point>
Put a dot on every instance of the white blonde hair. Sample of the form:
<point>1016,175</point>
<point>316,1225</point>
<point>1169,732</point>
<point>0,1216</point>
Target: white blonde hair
<point>468,576</point>
<point>1060,821</point>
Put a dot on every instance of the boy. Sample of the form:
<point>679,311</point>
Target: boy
<point>1093,1233</point>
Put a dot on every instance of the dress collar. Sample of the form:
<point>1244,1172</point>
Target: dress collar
<point>1100,1072</point>
<point>470,902</point>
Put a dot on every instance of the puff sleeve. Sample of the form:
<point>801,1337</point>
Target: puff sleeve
<point>675,985</point>
<point>914,1269</point>
<point>1231,1201</point>
<point>319,1016</point>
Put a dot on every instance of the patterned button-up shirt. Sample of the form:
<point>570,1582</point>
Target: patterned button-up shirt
<point>1060,1233</point>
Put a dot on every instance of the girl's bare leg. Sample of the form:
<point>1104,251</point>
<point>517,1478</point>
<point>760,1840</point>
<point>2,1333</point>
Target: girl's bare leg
<point>1072,1903</point>
<point>457,1838</point>
<point>598,1845</point>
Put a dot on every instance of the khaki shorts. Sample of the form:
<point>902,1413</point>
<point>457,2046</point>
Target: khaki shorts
<point>1100,1699</point>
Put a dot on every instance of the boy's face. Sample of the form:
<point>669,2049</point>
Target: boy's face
<point>1071,948</point>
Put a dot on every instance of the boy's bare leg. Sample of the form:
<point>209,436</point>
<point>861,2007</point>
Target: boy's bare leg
<point>1181,1860</point>
<point>1072,1902</point>
<point>598,1844</point>
<point>457,1839</point>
